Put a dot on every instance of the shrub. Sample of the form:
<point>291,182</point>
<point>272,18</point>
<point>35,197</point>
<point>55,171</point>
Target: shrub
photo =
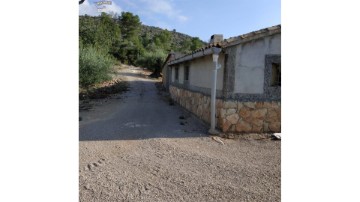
<point>152,60</point>
<point>94,66</point>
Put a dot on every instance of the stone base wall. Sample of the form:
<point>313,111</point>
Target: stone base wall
<point>196,103</point>
<point>232,116</point>
<point>258,117</point>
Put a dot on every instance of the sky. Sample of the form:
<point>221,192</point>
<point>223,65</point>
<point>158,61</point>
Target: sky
<point>197,18</point>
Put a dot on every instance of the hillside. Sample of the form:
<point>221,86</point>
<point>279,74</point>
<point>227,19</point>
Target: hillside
<point>178,39</point>
<point>105,40</point>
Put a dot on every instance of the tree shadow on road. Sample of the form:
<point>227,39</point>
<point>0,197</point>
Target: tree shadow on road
<point>142,112</point>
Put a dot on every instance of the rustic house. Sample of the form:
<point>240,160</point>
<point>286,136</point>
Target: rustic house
<point>248,82</point>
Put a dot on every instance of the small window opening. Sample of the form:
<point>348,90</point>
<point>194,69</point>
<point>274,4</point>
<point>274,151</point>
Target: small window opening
<point>276,74</point>
<point>186,73</point>
<point>176,73</point>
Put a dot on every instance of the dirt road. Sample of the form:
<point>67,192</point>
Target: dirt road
<point>136,148</point>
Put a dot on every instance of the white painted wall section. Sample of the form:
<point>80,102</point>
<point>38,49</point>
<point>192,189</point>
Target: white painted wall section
<point>250,63</point>
<point>201,72</point>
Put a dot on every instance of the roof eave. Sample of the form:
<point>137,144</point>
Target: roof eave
<point>192,56</point>
<point>257,36</point>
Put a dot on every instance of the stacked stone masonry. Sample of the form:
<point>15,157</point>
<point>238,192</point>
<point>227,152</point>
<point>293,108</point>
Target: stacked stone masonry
<point>231,115</point>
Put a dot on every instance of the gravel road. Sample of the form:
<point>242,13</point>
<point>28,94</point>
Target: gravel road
<point>135,147</point>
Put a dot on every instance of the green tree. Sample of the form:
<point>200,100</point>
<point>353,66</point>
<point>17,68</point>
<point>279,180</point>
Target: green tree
<point>101,32</point>
<point>130,25</point>
<point>185,46</point>
<point>153,60</point>
<point>108,34</point>
<point>164,40</point>
<point>196,43</point>
<point>131,46</point>
<point>99,37</point>
<point>87,30</point>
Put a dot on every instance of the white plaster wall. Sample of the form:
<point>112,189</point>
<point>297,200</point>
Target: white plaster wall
<point>181,74</point>
<point>201,72</point>
<point>250,63</point>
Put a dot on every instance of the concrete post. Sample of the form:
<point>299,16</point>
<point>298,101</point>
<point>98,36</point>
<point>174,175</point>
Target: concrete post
<point>216,52</point>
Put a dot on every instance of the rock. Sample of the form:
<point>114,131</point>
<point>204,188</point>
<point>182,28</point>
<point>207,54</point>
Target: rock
<point>257,129</point>
<point>275,127</point>
<point>267,105</point>
<point>251,105</point>
<point>244,112</point>
<point>239,105</point>
<point>243,126</point>
<point>272,105</point>
<point>193,109</point>
<point>273,115</point>
<point>257,122</point>
<point>217,112</point>
<point>231,136</point>
<point>233,118</point>
<point>207,117</point>
<point>222,113</point>
<point>229,104</point>
<point>223,135</point>
<point>199,110</point>
<point>232,128</point>
<point>219,103</point>
<point>259,113</point>
<point>220,122</point>
<point>226,125</point>
<point>259,105</point>
<point>266,127</point>
<point>230,111</point>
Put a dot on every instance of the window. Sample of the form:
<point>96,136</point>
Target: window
<point>276,74</point>
<point>187,72</point>
<point>176,73</point>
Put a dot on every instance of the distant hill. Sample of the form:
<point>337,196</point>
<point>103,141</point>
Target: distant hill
<point>177,37</point>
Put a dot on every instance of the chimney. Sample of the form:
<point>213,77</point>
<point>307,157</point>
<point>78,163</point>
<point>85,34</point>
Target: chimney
<point>216,38</point>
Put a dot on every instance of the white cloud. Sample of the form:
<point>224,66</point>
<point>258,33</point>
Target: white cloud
<point>165,7</point>
<point>90,8</point>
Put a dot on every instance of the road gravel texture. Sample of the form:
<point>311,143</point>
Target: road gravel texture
<point>138,147</point>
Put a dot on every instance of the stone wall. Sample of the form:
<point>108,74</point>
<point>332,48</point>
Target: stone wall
<point>258,117</point>
<point>232,115</point>
<point>197,103</point>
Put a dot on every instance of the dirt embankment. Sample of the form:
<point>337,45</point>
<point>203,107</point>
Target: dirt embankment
<point>103,91</point>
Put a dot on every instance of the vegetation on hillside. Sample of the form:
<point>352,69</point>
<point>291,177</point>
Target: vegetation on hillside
<point>106,38</point>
